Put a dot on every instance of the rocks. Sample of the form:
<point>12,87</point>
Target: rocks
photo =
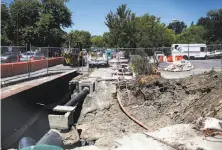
<point>92,147</point>
<point>71,137</point>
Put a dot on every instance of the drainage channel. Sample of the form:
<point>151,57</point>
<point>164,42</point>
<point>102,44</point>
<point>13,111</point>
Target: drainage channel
<point>26,114</point>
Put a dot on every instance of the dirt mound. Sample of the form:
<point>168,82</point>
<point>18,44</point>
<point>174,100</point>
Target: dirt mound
<point>157,104</point>
<point>165,102</point>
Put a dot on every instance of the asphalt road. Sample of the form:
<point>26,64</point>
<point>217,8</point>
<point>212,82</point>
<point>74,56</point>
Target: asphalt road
<point>200,66</point>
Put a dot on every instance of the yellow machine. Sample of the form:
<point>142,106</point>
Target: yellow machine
<point>73,57</point>
<point>70,57</point>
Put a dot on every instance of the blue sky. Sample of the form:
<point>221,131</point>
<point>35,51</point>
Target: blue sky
<point>90,14</point>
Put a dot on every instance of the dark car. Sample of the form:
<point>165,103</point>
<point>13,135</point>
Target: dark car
<point>10,57</point>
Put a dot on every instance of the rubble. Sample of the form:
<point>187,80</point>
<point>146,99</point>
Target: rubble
<point>179,66</point>
<point>70,138</point>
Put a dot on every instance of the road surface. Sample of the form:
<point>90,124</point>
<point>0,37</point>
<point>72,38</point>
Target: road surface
<point>200,66</point>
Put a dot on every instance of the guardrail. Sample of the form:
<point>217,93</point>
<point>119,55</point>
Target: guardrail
<point>12,69</point>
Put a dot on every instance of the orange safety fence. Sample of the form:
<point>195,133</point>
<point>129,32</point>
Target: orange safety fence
<point>11,69</point>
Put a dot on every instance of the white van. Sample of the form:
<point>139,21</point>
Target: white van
<point>190,50</point>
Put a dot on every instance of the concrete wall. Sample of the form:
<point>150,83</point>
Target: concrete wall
<point>22,108</point>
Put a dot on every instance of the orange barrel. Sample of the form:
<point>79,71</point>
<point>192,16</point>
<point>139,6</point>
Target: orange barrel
<point>160,58</point>
<point>177,58</point>
<point>169,58</point>
<point>181,57</point>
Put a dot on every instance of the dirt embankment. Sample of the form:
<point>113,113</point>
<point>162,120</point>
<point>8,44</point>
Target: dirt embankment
<point>157,103</point>
<point>165,102</point>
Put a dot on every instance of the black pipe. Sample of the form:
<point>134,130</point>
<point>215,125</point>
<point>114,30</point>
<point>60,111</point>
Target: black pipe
<point>25,142</point>
<point>79,97</point>
<point>51,138</point>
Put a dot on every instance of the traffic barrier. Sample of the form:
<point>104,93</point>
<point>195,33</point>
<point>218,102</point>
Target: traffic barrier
<point>169,58</point>
<point>54,61</point>
<point>11,69</point>
<point>37,64</point>
<point>180,57</point>
<point>6,70</point>
<point>19,68</point>
<point>160,58</point>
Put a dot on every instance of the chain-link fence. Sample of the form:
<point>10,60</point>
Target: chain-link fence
<point>22,62</point>
<point>29,61</point>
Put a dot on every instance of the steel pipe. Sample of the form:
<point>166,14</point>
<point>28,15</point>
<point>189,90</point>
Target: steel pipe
<point>79,97</point>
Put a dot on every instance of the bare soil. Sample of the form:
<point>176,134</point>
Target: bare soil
<point>157,104</point>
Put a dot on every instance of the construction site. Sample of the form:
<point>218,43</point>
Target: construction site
<point>126,104</point>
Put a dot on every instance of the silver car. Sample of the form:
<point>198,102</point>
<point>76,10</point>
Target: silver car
<point>10,57</point>
<point>215,54</point>
<point>28,56</point>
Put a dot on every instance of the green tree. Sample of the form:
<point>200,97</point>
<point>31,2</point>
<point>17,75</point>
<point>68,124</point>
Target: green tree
<point>97,41</point>
<point>80,36</point>
<point>177,26</point>
<point>5,25</point>
<point>152,33</point>
<point>39,22</point>
<point>107,39</point>
<point>122,27</point>
<point>24,16</point>
<point>194,34</point>
<point>213,26</point>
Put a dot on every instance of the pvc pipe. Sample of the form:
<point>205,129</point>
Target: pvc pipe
<point>79,97</point>
<point>25,142</point>
<point>51,138</point>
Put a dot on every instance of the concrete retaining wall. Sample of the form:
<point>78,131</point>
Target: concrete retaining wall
<point>22,116</point>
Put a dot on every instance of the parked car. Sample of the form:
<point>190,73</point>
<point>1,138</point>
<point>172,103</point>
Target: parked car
<point>10,57</point>
<point>28,56</point>
<point>215,54</point>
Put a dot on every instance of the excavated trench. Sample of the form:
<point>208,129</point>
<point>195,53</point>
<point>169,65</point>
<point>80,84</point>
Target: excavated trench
<point>26,113</point>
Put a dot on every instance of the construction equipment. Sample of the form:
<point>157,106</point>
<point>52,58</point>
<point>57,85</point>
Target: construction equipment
<point>74,56</point>
<point>71,57</point>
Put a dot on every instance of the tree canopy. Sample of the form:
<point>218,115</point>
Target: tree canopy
<point>32,22</point>
<point>97,41</point>
<point>177,26</point>
<point>41,23</point>
<point>122,28</point>
<point>194,34</point>
<point>213,26</point>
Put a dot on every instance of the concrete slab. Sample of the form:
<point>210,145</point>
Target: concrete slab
<point>64,108</point>
<point>15,89</point>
